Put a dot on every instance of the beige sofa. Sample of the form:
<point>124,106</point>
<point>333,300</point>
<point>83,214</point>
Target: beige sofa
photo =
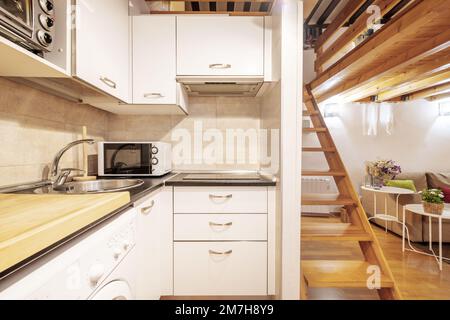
<point>417,225</point>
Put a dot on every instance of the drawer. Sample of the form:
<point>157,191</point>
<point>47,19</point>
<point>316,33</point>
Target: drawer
<point>220,268</point>
<point>220,200</point>
<point>207,227</point>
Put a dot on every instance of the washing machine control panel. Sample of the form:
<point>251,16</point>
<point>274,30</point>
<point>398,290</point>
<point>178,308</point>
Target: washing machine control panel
<point>77,269</point>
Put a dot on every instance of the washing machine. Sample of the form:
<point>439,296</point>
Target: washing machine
<point>98,265</point>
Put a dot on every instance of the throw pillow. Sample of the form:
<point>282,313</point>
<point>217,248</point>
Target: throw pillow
<point>446,191</point>
<point>438,180</point>
<point>404,184</point>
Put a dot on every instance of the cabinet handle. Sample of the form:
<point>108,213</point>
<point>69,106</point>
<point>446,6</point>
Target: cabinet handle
<point>213,224</point>
<point>147,210</point>
<point>153,95</point>
<point>220,66</point>
<point>108,82</point>
<point>226,253</point>
<point>228,196</point>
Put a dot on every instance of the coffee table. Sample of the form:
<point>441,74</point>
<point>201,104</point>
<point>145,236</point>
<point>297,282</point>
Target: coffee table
<point>397,192</point>
<point>418,209</point>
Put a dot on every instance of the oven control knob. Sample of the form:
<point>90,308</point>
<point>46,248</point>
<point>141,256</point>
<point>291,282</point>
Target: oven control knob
<point>96,272</point>
<point>46,21</point>
<point>155,161</point>
<point>155,150</point>
<point>47,6</point>
<point>44,38</point>
<point>126,245</point>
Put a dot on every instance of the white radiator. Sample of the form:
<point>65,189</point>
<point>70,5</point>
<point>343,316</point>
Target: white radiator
<point>318,188</point>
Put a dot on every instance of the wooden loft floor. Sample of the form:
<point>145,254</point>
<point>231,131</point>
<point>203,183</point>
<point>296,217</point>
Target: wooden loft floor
<point>417,276</point>
<point>408,58</point>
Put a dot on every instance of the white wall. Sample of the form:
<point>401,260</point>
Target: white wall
<point>419,141</point>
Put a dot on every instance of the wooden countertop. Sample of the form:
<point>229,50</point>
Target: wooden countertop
<point>31,223</point>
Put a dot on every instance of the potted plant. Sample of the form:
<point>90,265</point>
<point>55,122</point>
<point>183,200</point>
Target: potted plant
<point>433,201</point>
<point>382,170</point>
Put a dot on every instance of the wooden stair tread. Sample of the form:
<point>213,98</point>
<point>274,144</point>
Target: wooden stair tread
<point>330,173</point>
<point>339,274</point>
<point>333,231</point>
<point>318,149</point>
<point>314,130</point>
<point>340,201</point>
<point>307,113</point>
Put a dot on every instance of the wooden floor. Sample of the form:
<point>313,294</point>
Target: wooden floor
<point>417,276</point>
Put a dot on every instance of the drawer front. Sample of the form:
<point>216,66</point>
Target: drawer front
<point>210,227</point>
<point>220,268</point>
<point>220,200</point>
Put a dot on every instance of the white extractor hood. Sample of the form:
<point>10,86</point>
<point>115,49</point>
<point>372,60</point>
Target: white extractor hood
<point>223,86</point>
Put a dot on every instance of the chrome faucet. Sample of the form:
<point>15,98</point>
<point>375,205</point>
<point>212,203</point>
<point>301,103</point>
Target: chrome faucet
<point>60,178</point>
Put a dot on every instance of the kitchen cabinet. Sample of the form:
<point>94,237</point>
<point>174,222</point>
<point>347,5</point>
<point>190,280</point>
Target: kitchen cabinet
<point>220,46</point>
<point>154,62</point>
<point>148,246</point>
<point>220,268</point>
<point>102,55</point>
<point>223,240</point>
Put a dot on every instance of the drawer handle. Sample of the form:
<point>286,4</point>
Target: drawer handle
<point>220,66</point>
<point>108,82</point>
<point>148,209</point>
<point>213,224</point>
<point>226,253</point>
<point>153,95</point>
<point>228,196</point>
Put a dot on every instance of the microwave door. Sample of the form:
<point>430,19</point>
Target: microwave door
<point>16,15</point>
<point>127,159</point>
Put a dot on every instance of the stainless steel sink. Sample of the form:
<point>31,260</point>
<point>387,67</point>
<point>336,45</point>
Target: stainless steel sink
<point>97,186</point>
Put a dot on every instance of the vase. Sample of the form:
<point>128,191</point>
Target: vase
<point>377,182</point>
<point>433,208</point>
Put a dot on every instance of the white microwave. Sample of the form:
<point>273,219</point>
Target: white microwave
<point>140,159</point>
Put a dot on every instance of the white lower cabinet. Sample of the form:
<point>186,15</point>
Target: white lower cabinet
<point>220,227</point>
<point>220,268</point>
<point>223,241</point>
<point>148,246</point>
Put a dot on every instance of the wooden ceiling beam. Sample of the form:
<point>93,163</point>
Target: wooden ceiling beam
<point>439,97</point>
<point>402,61</point>
<point>343,16</point>
<point>361,25</point>
<point>437,79</point>
<point>406,25</point>
<point>432,91</point>
<point>420,70</point>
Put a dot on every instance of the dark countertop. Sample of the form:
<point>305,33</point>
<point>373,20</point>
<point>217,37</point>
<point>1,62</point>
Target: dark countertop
<point>227,180</point>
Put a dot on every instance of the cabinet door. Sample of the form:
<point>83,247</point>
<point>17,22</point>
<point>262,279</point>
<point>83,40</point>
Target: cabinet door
<point>154,62</point>
<point>220,268</point>
<point>148,245</point>
<point>216,46</point>
<point>102,45</point>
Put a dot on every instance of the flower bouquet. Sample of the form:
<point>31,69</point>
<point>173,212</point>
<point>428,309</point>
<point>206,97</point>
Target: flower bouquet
<point>382,170</point>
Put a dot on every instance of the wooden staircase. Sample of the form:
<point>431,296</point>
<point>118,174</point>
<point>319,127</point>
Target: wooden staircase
<point>333,273</point>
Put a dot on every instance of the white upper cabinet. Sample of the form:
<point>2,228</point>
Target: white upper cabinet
<point>102,39</point>
<point>154,61</point>
<point>220,46</point>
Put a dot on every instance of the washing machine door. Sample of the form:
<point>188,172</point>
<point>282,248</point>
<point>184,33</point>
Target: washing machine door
<point>114,290</point>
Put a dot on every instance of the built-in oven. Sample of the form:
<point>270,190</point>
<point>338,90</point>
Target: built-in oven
<point>29,23</point>
<point>134,158</point>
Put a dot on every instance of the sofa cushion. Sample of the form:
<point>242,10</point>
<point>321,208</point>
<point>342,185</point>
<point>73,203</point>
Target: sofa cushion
<point>403,184</point>
<point>438,180</point>
<point>446,191</point>
<point>419,179</point>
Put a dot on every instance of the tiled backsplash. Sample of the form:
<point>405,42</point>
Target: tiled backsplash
<point>207,115</point>
<point>34,126</point>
